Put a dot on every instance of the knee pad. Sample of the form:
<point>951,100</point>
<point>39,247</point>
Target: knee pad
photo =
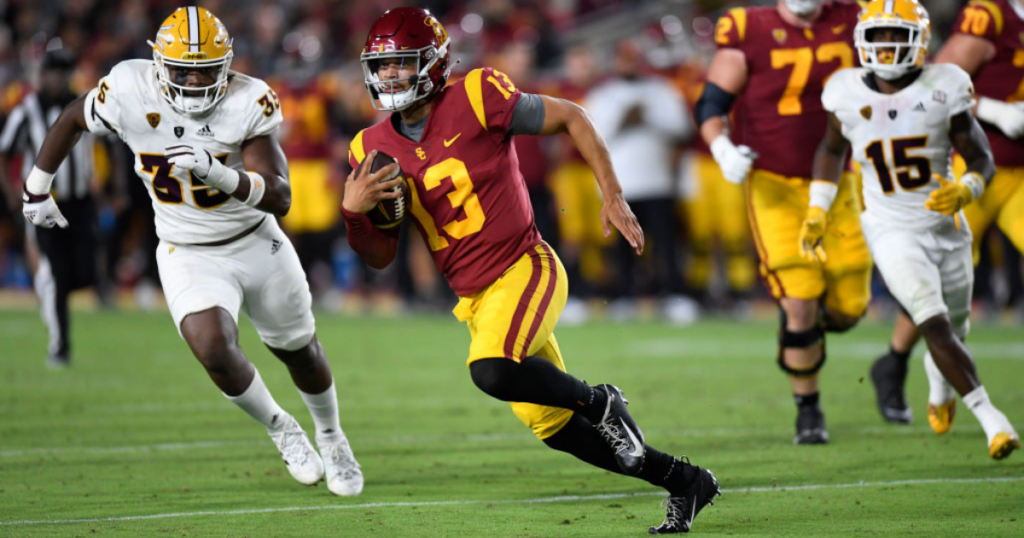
<point>800,339</point>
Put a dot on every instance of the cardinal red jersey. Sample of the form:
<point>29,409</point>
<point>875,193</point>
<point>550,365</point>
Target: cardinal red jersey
<point>1002,78</point>
<point>779,114</point>
<point>469,199</point>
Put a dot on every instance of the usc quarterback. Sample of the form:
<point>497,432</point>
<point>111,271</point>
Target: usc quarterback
<point>454,145</point>
<point>773,61</point>
<point>902,120</point>
<point>988,43</point>
<point>204,140</point>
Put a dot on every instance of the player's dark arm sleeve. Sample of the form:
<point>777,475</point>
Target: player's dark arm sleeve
<point>528,116</point>
<point>376,247</point>
<point>971,143</point>
<point>830,157</point>
<point>713,102</point>
<point>263,155</point>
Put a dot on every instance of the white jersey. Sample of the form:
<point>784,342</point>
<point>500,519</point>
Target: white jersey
<point>901,139</point>
<point>128,102</point>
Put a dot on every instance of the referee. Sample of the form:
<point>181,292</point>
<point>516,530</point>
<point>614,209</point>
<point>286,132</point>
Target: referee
<point>66,257</point>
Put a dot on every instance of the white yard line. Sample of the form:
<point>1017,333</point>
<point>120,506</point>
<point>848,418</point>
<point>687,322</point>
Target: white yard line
<point>704,349</point>
<point>561,498</point>
<point>685,433</point>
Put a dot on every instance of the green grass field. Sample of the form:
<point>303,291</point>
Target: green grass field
<point>134,440</point>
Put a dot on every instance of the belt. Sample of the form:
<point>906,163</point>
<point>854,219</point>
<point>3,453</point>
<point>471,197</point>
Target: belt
<point>231,239</point>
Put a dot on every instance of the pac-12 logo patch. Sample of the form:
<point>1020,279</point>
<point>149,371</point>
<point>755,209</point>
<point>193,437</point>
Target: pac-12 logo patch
<point>178,131</point>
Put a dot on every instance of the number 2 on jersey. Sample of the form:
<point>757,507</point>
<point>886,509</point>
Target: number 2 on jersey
<point>902,163</point>
<point>802,59</point>
<point>463,196</point>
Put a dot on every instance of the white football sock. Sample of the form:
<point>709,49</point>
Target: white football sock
<point>939,390</point>
<point>324,408</point>
<point>992,420</point>
<point>260,405</point>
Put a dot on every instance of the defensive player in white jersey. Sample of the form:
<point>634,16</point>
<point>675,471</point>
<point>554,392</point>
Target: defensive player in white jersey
<point>903,119</point>
<point>205,146</point>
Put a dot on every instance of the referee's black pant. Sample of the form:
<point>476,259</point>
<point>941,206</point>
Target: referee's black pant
<point>68,259</point>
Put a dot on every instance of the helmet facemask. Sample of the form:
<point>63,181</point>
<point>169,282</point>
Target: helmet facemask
<point>192,100</point>
<point>387,94</point>
<point>892,59</point>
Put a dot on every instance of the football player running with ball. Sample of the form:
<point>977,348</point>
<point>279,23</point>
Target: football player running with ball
<point>986,42</point>
<point>204,143</point>
<point>469,201</point>
<point>778,59</point>
<point>903,119</point>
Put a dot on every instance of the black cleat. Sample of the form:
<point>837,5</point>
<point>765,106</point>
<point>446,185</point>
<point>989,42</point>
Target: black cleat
<point>889,375</point>
<point>620,431</point>
<point>810,427</point>
<point>681,511</point>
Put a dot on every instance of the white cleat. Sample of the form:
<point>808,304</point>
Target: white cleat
<point>344,477</point>
<point>299,456</point>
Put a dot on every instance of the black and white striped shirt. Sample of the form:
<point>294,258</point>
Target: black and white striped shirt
<point>25,130</point>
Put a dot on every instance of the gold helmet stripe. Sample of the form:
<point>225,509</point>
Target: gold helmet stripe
<point>193,29</point>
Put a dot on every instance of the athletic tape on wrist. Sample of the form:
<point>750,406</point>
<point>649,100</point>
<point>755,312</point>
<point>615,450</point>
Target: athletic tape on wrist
<point>974,182</point>
<point>38,182</point>
<point>221,177</point>
<point>257,186</point>
<point>823,193</point>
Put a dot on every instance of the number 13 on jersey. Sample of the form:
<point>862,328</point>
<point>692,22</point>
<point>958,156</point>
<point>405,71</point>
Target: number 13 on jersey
<point>462,196</point>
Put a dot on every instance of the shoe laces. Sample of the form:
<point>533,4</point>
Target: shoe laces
<point>293,445</point>
<point>613,435</point>
<point>675,508</point>
<point>340,456</point>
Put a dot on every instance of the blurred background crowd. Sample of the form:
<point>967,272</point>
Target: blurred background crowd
<point>636,65</point>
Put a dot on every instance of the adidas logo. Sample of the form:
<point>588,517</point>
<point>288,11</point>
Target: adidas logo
<point>920,107</point>
<point>275,245</point>
<point>205,131</point>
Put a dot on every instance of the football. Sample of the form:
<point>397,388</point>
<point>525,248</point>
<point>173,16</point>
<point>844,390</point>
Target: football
<point>388,213</point>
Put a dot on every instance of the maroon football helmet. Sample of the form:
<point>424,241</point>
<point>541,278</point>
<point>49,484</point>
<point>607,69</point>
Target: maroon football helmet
<point>413,36</point>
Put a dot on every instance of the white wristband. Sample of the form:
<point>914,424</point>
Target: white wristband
<point>823,193</point>
<point>257,186</point>
<point>974,182</point>
<point>38,182</point>
<point>221,177</point>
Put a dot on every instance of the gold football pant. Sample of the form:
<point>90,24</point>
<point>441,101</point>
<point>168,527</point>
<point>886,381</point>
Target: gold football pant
<point>777,206</point>
<point>514,318</point>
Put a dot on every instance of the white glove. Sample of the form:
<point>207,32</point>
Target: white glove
<point>202,164</point>
<point>735,161</point>
<point>196,160</point>
<point>1008,117</point>
<point>43,212</point>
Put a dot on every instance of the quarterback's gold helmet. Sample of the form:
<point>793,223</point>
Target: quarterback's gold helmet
<point>192,39</point>
<point>893,58</point>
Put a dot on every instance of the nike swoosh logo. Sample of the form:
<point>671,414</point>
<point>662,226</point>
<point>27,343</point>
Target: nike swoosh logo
<point>452,141</point>
<point>638,447</point>
<point>838,29</point>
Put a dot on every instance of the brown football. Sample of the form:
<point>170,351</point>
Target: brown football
<point>388,213</point>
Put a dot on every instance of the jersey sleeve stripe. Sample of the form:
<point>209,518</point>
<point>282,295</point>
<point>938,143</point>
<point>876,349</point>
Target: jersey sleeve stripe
<point>356,147</point>
<point>475,92</point>
<point>544,252</point>
<point>993,9</point>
